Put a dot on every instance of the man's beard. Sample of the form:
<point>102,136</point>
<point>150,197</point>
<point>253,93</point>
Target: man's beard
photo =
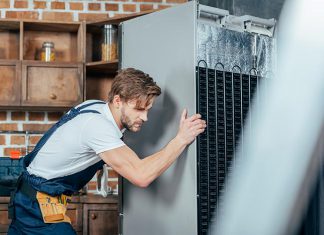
<point>127,123</point>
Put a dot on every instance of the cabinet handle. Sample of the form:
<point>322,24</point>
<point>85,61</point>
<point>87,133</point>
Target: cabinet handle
<point>53,96</point>
<point>93,216</point>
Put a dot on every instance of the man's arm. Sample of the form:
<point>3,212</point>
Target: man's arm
<point>142,172</point>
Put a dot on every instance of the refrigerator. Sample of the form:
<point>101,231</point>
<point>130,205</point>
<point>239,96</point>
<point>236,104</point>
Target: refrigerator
<point>209,62</point>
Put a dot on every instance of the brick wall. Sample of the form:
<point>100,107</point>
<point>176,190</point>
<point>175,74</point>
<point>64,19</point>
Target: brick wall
<point>64,10</point>
<point>77,10</point>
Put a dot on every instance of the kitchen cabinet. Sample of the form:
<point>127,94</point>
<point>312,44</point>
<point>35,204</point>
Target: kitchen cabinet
<point>89,214</point>
<point>10,81</point>
<point>28,81</point>
<point>77,74</point>
<point>100,219</point>
<point>10,65</point>
<point>64,84</point>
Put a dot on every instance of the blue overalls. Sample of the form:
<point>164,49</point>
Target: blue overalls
<point>24,209</point>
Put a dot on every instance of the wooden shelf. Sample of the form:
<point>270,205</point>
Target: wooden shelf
<point>119,19</point>
<point>9,40</point>
<point>52,63</point>
<point>9,25</point>
<point>67,39</point>
<point>102,67</point>
<point>49,26</point>
<point>100,76</point>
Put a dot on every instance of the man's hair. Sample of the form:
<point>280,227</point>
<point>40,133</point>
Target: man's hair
<point>133,84</point>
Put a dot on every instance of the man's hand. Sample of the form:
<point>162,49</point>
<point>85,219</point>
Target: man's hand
<point>190,127</point>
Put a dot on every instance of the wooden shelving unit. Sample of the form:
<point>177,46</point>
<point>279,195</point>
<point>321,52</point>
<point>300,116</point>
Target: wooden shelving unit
<point>76,74</point>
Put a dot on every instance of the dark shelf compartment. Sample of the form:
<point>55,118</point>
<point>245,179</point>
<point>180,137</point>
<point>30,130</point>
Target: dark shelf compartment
<point>102,67</point>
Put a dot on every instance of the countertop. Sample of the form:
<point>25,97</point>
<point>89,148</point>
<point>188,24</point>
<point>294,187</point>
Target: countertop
<point>88,198</point>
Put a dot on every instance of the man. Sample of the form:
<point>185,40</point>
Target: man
<point>88,136</point>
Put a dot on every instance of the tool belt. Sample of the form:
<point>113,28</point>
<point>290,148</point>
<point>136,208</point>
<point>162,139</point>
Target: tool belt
<point>53,209</point>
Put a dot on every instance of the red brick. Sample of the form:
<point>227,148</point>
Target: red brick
<point>2,139</point>
<point>30,148</point>
<point>147,0</point>
<point>161,7</point>
<point>76,6</point>
<point>58,5</point>
<point>92,16</point>
<point>176,1</point>
<point>17,140</point>
<point>39,5</point>
<point>3,116</point>
<point>27,15</point>
<point>129,7</point>
<point>112,7</point>
<point>36,116</point>
<point>7,151</point>
<point>18,116</point>
<point>36,127</point>
<point>94,6</point>
<point>9,127</point>
<point>34,139</point>
<point>112,174</point>
<point>92,185</point>
<point>54,116</point>
<point>21,4</point>
<point>146,7</point>
<point>5,4</point>
<point>58,16</point>
<point>113,184</point>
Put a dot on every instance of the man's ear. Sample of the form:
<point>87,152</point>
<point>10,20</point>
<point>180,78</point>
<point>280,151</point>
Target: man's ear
<point>117,101</point>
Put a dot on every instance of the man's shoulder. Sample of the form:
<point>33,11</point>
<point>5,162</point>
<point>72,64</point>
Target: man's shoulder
<point>90,104</point>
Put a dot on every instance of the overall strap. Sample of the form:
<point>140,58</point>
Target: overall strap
<point>64,119</point>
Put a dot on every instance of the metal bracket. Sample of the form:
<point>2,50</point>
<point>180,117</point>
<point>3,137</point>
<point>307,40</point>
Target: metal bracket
<point>255,25</point>
<point>244,23</point>
<point>213,14</point>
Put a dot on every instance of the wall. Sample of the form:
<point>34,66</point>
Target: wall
<point>64,10</point>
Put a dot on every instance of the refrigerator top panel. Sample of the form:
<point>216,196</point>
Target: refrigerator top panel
<point>245,42</point>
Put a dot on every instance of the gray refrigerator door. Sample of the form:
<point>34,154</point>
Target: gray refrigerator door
<point>162,44</point>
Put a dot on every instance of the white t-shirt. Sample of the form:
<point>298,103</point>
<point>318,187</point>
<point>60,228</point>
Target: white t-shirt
<point>75,145</point>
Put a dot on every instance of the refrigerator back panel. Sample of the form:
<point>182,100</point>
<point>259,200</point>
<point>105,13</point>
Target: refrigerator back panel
<point>231,63</point>
<point>224,100</point>
<point>234,48</point>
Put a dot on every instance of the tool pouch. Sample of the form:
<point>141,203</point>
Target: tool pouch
<point>53,209</point>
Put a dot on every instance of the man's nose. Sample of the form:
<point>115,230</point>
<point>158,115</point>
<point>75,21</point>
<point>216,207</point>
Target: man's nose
<point>144,116</point>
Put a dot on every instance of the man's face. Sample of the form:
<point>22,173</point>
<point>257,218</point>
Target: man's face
<point>133,114</point>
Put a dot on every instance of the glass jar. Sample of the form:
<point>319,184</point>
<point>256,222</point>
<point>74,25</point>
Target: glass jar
<point>109,42</point>
<point>48,52</point>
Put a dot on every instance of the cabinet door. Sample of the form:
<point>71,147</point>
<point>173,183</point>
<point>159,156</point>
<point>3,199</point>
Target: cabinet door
<point>100,219</point>
<point>10,83</point>
<point>51,84</point>
<point>74,211</point>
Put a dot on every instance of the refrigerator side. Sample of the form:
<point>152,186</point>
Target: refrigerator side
<point>162,44</point>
